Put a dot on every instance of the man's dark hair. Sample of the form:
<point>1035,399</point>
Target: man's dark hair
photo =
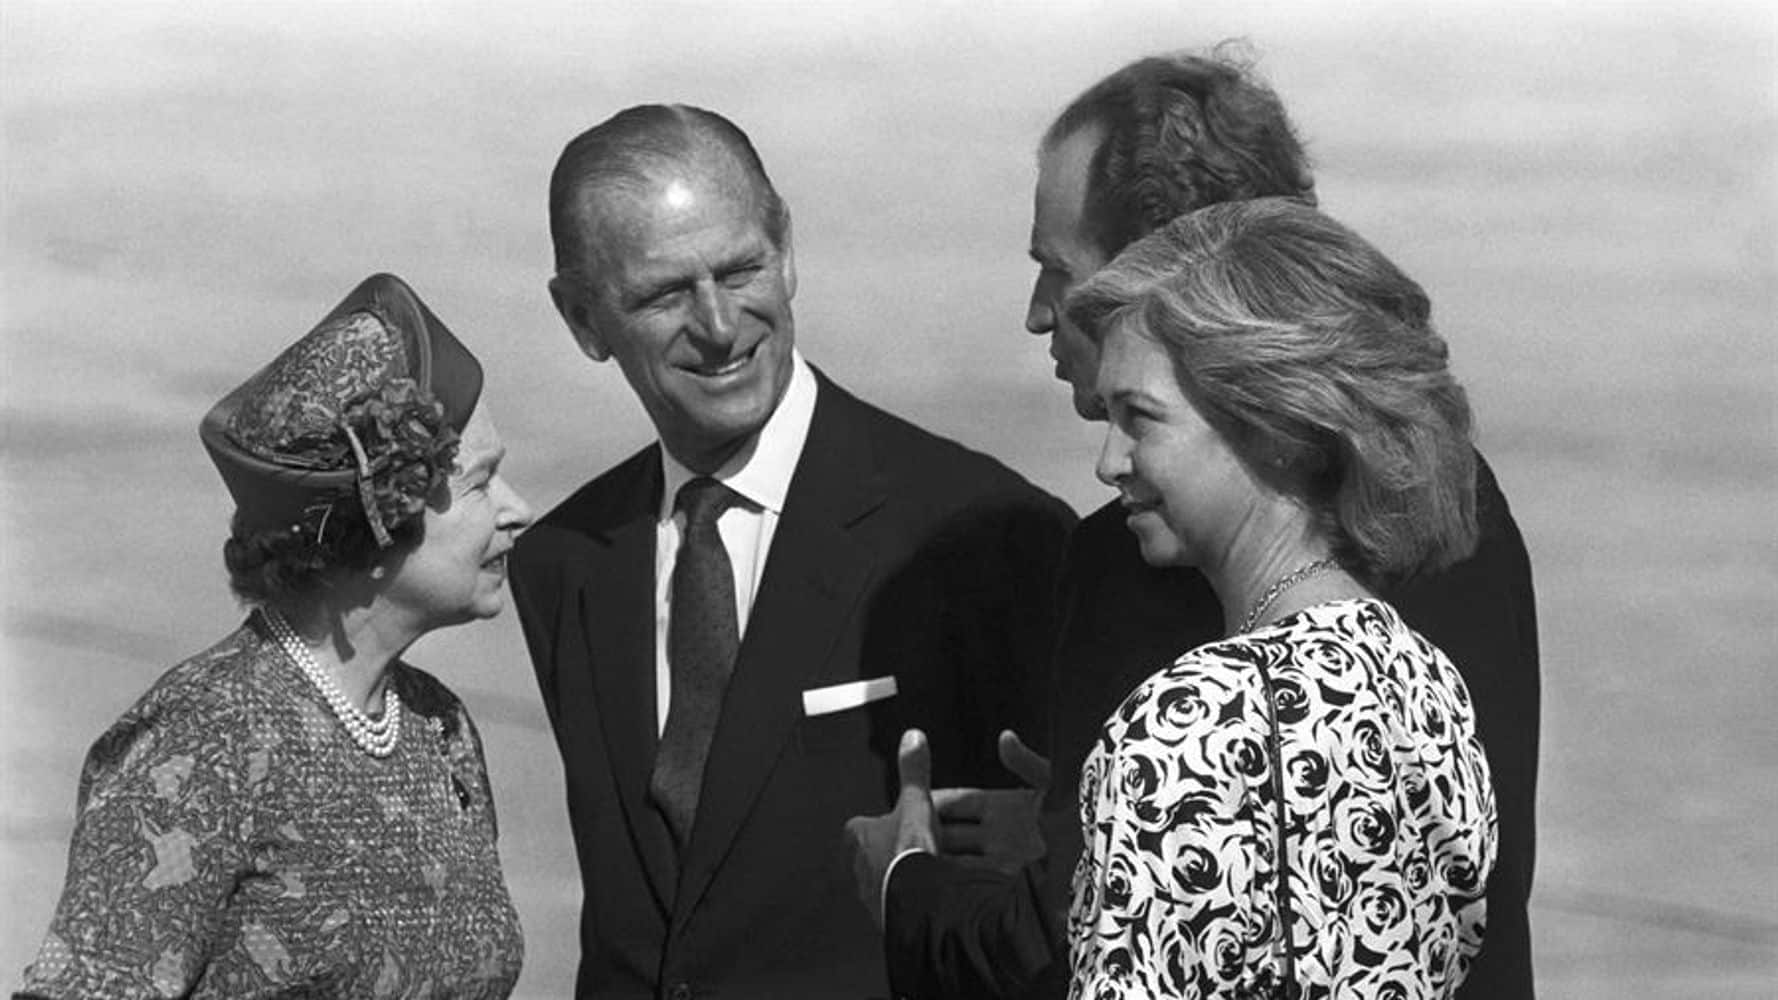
<point>625,150</point>
<point>1180,132</point>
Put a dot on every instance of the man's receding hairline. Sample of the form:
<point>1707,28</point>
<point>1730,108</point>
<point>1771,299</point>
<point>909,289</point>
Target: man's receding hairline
<point>592,199</point>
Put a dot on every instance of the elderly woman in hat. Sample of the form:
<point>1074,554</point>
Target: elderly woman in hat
<point>1301,808</point>
<point>296,811</point>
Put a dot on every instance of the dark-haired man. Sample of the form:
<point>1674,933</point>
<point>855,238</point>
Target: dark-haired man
<point>732,627</point>
<point>1158,138</point>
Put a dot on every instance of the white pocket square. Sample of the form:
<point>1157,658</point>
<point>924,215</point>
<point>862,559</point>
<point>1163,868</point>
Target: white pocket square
<point>839,697</point>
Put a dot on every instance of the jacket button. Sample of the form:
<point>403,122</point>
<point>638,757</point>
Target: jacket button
<point>680,991</point>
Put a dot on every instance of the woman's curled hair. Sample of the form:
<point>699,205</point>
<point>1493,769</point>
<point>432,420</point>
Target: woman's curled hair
<point>1315,358</point>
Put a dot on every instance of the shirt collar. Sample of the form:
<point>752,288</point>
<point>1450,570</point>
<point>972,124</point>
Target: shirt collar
<point>761,470</point>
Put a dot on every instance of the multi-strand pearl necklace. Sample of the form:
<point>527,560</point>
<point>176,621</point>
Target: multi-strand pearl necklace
<point>376,737</point>
<point>1279,586</point>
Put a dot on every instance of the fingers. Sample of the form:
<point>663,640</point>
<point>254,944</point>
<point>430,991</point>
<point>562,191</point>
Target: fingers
<point>962,839</point>
<point>914,827</point>
<point>966,805</point>
<point>1032,767</point>
<point>914,762</point>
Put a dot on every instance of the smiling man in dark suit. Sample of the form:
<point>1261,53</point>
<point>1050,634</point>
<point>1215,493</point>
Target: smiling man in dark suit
<point>1158,138</point>
<point>732,627</point>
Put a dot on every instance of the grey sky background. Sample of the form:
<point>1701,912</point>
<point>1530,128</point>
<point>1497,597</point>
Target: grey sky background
<point>1588,191</point>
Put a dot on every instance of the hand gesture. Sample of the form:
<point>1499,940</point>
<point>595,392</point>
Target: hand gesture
<point>875,841</point>
<point>997,827</point>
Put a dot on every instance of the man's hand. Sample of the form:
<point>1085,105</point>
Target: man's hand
<point>877,840</point>
<point>997,827</point>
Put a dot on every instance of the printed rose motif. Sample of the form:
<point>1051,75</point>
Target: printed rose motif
<point>1308,773</point>
<point>1138,780</point>
<point>1460,874</point>
<point>1118,881</point>
<point>1292,702</point>
<point>1368,825</point>
<point>1224,948</point>
<point>1392,989</point>
<point>1433,718</point>
<point>1178,711</point>
<point>1382,909</point>
<point>1247,758</point>
<point>1379,817</point>
<point>1416,790</point>
<point>1198,870</point>
<point>1416,873</point>
<point>1334,879</point>
<point>1370,752</point>
<point>1326,657</point>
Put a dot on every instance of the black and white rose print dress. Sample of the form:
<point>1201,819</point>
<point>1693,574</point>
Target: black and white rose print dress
<point>1390,832</point>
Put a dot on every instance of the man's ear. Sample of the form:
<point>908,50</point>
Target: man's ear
<point>575,304</point>
<point>787,260</point>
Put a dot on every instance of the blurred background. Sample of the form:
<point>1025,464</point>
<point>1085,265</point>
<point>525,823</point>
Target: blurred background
<point>1588,191</point>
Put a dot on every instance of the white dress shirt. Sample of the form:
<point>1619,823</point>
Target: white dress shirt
<point>760,472</point>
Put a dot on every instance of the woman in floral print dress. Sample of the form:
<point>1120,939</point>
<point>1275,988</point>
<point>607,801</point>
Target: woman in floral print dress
<point>296,811</point>
<point>1301,808</point>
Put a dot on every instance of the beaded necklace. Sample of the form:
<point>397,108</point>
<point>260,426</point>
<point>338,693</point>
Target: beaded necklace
<point>376,737</point>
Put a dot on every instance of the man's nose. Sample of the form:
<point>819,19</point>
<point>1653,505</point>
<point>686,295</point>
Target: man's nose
<point>1040,312</point>
<point>1114,456</point>
<point>715,313</point>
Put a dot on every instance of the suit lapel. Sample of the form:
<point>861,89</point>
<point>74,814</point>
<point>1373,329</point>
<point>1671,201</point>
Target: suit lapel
<point>815,572</point>
<point>617,612</point>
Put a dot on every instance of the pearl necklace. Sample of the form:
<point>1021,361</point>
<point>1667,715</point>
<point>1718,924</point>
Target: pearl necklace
<point>1279,586</point>
<point>376,737</point>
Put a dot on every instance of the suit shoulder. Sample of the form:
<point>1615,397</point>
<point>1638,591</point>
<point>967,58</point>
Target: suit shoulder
<point>915,455</point>
<point>1492,511</point>
<point>601,503</point>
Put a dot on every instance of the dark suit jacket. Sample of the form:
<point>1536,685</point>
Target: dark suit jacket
<point>956,932</point>
<point>897,553</point>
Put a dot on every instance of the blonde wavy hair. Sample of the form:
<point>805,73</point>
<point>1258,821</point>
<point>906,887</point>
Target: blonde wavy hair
<point>1315,358</point>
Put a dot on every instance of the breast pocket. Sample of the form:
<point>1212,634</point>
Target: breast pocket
<point>848,736</point>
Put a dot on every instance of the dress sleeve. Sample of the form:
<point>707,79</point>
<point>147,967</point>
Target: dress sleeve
<point>1162,883</point>
<point>156,852</point>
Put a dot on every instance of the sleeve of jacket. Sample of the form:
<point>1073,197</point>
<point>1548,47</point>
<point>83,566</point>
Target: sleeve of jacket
<point>1024,631</point>
<point>992,567</point>
<point>957,932</point>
